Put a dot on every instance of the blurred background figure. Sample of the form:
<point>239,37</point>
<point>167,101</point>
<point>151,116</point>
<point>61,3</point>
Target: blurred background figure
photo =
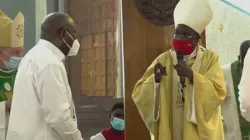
<point>117,125</point>
<point>235,126</point>
<point>244,88</point>
<point>11,47</point>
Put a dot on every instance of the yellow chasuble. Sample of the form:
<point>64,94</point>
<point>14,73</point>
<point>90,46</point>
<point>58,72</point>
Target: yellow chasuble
<point>199,118</point>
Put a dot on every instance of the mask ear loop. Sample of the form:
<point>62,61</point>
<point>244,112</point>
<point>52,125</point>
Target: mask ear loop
<point>6,53</point>
<point>70,35</point>
<point>65,40</point>
<point>4,61</point>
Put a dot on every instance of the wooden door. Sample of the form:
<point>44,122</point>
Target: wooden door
<point>93,63</point>
<point>87,64</point>
<point>104,21</point>
<point>96,26</point>
<point>99,65</point>
<point>111,62</point>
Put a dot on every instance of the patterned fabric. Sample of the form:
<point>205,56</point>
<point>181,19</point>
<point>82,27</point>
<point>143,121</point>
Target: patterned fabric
<point>236,75</point>
<point>7,79</point>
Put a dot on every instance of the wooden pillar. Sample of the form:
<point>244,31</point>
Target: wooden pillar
<point>143,42</point>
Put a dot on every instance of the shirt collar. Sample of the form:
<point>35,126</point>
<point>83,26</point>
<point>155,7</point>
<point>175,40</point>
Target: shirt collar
<point>52,48</point>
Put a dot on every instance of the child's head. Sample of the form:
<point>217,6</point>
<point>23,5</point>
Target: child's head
<point>117,111</point>
<point>117,116</point>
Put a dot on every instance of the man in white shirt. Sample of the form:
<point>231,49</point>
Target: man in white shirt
<point>42,105</point>
<point>244,89</point>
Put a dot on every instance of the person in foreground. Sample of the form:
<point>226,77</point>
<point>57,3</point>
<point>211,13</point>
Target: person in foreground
<point>235,126</point>
<point>116,131</point>
<point>42,105</point>
<point>186,109</point>
<point>244,89</point>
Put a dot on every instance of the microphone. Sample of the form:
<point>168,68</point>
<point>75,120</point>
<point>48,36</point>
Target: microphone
<point>180,57</point>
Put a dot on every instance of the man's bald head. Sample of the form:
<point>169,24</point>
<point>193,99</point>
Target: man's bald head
<point>54,22</point>
<point>243,51</point>
<point>60,30</point>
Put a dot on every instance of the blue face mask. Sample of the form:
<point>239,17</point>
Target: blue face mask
<point>118,124</point>
<point>13,63</point>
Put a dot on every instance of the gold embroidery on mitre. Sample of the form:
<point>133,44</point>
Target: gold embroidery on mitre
<point>20,31</point>
<point>12,31</point>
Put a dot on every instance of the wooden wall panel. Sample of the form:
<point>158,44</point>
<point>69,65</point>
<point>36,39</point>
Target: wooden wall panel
<point>93,71</point>
<point>111,58</point>
<point>87,64</point>
<point>143,42</point>
<point>99,63</point>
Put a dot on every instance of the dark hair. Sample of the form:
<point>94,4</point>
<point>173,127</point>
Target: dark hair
<point>245,44</point>
<point>118,105</point>
<point>243,48</point>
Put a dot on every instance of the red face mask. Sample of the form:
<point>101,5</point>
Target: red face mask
<point>186,46</point>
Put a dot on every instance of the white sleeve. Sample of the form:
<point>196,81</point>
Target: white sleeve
<point>98,136</point>
<point>2,121</point>
<point>191,117</point>
<point>52,92</point>
<point>244,89</point>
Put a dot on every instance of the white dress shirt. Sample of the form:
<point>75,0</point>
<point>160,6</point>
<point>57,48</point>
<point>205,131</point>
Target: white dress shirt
<point>244,89</point>
<point>42,105</point>
<point>229,108</point>
<point>98,136</point>
<point>3,120</point>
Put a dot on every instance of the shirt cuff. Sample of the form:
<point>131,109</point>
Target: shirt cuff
<point>2,121</point>
<point>191,111</point>
<point>98,136</point>
<point>78,135</point>
<point>70,132</point>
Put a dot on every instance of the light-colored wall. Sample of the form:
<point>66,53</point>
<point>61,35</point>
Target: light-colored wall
<point>41,12</point>
<point>236,29</point>
<point>27,7</point>
<point>34,12</point>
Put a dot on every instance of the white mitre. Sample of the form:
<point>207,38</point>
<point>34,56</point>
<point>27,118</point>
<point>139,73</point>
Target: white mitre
<point>11,31</point>
<point>194,13</point>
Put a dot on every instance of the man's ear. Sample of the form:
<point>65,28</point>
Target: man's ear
<point>239,57</point>
<point>62,33</point>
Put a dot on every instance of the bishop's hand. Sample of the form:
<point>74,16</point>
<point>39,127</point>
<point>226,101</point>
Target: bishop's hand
<point>159,71</point>
<point>183,70</point>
